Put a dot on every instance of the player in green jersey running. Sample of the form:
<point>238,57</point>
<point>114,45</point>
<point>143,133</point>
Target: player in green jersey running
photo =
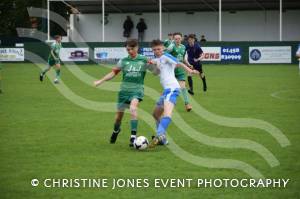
<point>178,50</point>
<point>169,41</point>
<point>53,60</point>
<point>131,92</point>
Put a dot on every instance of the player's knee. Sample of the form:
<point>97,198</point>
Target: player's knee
<point>133,110</point>
<point>118,118</point>
<point>182,84</point>
<point>168,114</point>
<point>155,115</point>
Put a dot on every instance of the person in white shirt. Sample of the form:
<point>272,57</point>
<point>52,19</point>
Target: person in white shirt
<point>162,113</point>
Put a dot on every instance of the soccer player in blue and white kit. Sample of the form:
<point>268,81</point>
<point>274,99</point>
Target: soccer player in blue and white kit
<point>162,113</point>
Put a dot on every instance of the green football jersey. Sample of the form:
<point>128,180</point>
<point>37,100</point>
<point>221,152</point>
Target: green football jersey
<point>177,51</point>
<point>56,49</point>
<point>134,72</point>
<point>168,42</point>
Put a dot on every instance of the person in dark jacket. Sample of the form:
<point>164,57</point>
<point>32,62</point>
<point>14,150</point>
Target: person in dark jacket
<point>202,40</point>
<point>127,25</point>
<point>141,27</point>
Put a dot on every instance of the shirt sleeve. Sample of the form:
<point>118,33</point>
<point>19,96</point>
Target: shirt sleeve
<point>170,59</point>
<point>170,47</point>
<point>184,50</point>
<point>52,46</point>
<point>116,69</point>
<point>165,43</point>
<point>200,50</point>
<point>119,64</point>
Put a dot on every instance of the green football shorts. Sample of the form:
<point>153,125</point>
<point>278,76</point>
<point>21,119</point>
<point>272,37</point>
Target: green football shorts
<point>125,97</point>
<point>52,62</point>
<point>180,74</point>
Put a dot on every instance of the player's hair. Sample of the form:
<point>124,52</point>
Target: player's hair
<point>57,36</point>
<point>191,36</point>
<point>156,42</point>
<point>131,43</point>
<point>177,33</point>
<point>170,34</point>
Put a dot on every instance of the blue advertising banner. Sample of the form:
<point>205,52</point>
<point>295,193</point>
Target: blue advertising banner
<point>231,54</point>
<point>147,52</point>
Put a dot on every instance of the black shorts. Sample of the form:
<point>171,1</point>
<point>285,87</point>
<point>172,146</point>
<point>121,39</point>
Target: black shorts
<point>198,67</point>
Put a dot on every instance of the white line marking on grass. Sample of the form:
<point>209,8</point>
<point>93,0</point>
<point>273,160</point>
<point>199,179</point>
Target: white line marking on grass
<point>180,123</point>
<point>278,93</point>
<point>174,148</point>
<point>183,126</point>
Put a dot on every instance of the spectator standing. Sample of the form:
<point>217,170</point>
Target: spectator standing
<point>202,39</point>
<point>127,25</point>
<point>141,27</point>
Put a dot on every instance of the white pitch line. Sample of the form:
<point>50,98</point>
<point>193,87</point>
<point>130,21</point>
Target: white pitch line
<point>277,95</point>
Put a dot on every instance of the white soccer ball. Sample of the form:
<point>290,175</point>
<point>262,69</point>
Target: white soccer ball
<point>141,143</point>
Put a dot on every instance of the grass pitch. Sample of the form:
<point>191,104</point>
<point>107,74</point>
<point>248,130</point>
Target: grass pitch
<point>44,135</point>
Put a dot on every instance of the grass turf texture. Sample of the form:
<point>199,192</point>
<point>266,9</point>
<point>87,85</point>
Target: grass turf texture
<point>44,135</point>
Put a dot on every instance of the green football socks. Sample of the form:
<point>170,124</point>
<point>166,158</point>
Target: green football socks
<point>57,73</point>
<point>133,124</point>
<point>185,96</point>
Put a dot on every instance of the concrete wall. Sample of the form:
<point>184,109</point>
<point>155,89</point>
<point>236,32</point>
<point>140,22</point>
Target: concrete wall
<point>240,26</point>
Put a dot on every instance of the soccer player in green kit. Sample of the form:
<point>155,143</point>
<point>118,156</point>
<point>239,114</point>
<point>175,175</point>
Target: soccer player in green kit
<point>178,50</point>
<point>169,41</point>
<point>53,59</point>
<point>131,92</point>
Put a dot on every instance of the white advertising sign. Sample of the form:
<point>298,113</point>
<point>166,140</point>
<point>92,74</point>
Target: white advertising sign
<point>270,54</point>
<point>110,53</point>
<point>11,54</point>
<point>211,53</point>
<point>74,54</point>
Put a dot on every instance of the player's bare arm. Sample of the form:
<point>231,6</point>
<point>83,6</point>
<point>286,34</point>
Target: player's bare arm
<point>107,77</point>
<point>186,68</point>
<point>153,67</point>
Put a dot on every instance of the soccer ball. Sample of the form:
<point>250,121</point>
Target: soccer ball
<point>141,143</point>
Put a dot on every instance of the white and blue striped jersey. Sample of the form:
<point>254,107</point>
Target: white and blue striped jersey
<point>167,64</point>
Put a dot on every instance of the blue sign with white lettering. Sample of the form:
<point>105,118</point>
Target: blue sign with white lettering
<point>147,52</point>
<point>231,54</point>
